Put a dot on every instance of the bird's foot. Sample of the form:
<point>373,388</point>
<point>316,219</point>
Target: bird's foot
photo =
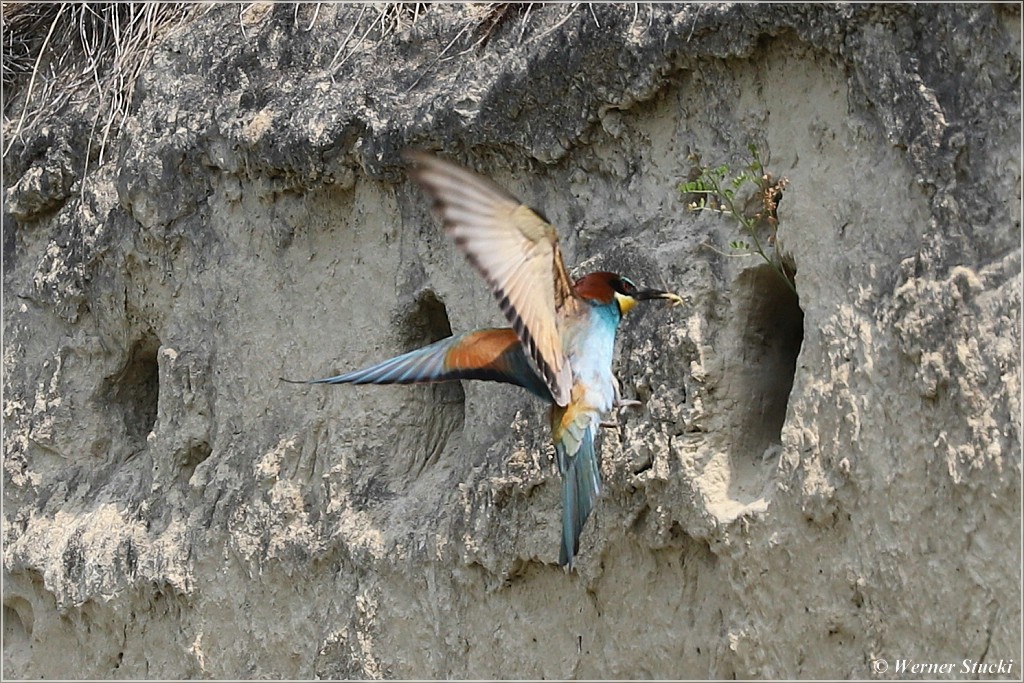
<point>620,405</point>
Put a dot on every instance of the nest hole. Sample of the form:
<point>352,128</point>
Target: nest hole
<point>766,334</point>
<point>771,333</point>
<point>18,620</point>
<point>135,390</point>
<point>443,404</point>
<point>426,321</point>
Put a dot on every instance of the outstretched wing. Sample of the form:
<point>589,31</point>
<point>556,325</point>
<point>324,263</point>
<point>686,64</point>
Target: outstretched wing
<point>492,354</point>
<point>517,253</point>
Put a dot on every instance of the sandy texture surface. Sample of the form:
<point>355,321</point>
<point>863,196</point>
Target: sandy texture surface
<point>811,484</point>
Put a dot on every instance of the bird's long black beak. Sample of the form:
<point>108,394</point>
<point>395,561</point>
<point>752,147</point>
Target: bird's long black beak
<point>648,294</point>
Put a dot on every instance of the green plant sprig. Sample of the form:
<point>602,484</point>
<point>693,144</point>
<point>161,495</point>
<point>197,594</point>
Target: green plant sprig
<point>718,191</point>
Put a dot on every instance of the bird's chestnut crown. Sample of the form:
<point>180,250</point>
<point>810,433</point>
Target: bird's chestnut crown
<point>604,287</point>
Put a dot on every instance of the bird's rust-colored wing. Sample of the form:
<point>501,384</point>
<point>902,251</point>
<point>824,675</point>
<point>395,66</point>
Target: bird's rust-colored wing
<point>517,253</point>
<point>494,355</point>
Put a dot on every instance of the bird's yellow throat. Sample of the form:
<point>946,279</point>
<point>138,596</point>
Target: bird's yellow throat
<point>626,303</point>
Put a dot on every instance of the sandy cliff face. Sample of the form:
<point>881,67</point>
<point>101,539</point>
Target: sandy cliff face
<point>811,485</point>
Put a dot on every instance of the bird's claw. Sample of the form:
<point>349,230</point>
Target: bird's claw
<point>620,404</point>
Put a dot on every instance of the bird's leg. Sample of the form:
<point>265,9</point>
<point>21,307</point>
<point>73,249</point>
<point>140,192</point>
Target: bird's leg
<point>619,403</point>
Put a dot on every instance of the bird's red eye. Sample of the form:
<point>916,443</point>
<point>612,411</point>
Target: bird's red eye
<point>626,286</point>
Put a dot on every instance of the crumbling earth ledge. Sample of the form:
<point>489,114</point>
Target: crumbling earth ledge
<point>821,486</point>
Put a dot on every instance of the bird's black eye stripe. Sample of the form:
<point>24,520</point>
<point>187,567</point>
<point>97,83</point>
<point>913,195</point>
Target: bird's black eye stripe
<point>625,286</point>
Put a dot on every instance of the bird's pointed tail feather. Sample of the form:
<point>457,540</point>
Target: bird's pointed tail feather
<point>581,486</point>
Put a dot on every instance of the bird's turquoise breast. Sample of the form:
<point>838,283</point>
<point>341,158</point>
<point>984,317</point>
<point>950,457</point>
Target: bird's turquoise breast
<point>590,347</point>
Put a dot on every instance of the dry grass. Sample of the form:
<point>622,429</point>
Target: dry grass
<point>88,56</point>
<point>479,22</point>
<point>77,55</point>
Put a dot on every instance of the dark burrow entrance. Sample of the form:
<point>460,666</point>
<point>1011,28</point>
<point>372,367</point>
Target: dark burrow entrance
<point>770,332</point>
<point>759,353</point>
<point>442,406</point>
<point>134,391</point>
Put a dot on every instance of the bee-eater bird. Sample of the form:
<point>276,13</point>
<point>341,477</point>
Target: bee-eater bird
<point>562,338</point>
